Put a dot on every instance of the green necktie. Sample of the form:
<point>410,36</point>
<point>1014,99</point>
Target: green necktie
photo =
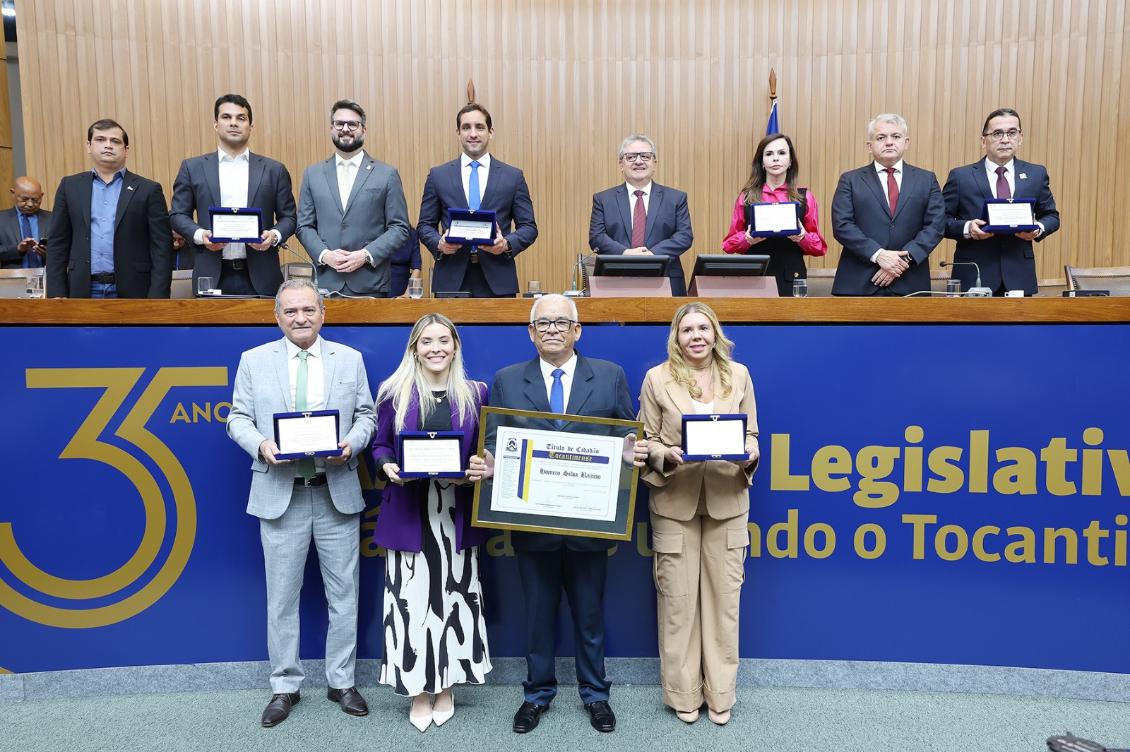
<point>305,465</point>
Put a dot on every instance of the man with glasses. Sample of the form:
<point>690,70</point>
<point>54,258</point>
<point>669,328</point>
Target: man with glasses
<point>560,380</point>
<point>641,217</point>
<point>23,226</point>
<point>234,177</point>
<point>304,500</point>
<point>888,216</point>
<point>352,216</point>
<point>476,180</point>
<point>1006,261</point>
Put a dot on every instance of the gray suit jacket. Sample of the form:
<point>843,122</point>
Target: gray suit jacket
<point>262,388</point>
<point>375,218</point>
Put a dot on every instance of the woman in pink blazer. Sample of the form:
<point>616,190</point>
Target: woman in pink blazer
<point>699,514</point>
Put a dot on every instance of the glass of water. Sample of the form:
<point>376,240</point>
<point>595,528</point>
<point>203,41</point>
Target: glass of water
<point>415,288</point>
<point>953,288</point>
<point>800,288</point>
<point>534,288</point>
<point>203,286</point>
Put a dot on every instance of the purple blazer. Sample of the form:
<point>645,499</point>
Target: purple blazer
<point>399,523</point>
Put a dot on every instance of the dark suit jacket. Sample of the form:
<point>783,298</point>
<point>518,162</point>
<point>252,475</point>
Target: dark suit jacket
<point>143,244</point>
<point>1004,260</point>
<point>404,260</point>
<point>197,188</point>
<point>506,195</point>
<point>862,224</point>
<point>600,389</point>
<point>668,231</point>
<point>375,218</point>
<point>10,236</point>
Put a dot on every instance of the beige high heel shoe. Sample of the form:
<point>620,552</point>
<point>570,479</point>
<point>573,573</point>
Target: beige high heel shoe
<point>443,707</point>
<point>420,714</point>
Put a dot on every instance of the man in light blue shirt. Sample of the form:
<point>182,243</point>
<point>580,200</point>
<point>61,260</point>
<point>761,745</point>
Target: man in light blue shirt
<point>110,235</point>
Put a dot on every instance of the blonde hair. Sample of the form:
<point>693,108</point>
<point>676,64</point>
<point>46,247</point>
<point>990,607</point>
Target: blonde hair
<point>677,362</point>
<point>408,378</point>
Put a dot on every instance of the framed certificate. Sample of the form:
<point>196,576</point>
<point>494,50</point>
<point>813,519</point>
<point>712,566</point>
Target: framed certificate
<point>1008,215</point>
<point>714,437</point>
<point>430,454</point>
<point>561,474</point>
<point>470,227</point>
<point>772,220</point>
<point>307,434</point>
<point>236,224</point>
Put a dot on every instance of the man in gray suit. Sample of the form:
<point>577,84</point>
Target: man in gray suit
<point>888,216</point>
<point>352,215</point>
<point>23,227</point>
<point>309,498</point>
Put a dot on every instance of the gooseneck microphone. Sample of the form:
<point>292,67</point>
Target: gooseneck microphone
<point>977,291</point>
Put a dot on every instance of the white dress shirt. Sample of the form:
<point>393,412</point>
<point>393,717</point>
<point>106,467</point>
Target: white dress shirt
<point>880,170</point>
<point>315,381</point>
<point>465,171</point>
<point>646,198</point>
<point>234,177</point>
<point>569,367</point>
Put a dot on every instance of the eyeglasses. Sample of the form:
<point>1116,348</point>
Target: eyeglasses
<point>1012,133</point>
<point>346,125</point>
<point>642,156</point>
<point>559,325</point>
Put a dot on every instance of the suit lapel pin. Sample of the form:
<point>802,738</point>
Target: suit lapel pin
<point>368,167</point>
<point>129,187</point>
<point>1023,176</point>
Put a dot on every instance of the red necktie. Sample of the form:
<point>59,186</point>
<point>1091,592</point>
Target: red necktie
<point>639,221</point>
<point>892,189</point>
<point>1003,191</point>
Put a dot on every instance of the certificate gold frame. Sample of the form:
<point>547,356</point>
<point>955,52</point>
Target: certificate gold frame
<point>618,529</point>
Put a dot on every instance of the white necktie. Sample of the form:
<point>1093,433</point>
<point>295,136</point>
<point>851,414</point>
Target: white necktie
<point>344,182</point>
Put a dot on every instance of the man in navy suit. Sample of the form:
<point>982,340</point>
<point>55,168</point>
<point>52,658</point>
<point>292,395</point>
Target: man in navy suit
<point>888,216</point>
<point>1006,261</point>
<point>477,181</point>
<point>109,235</point>
<point>232,176</point>
<point>560,380</point>
<point>23,226</point>
<point>642,217</point>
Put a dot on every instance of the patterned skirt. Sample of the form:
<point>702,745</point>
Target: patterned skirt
<point>435,635</point>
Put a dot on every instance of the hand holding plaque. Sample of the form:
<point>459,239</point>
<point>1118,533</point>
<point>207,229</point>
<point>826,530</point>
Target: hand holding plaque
<point>307,434</point>
<point>236,224</point>
<point>468,227</point>
<point>714,437</point>
<point>1009,216</point>
<point>431,454</point>
<point>771,220</point>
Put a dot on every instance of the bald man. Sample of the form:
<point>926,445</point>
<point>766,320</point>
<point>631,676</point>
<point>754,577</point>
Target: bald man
<point>24,226</point>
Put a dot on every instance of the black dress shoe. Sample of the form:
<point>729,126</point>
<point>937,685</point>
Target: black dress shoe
<point>278,709</point>
<point>526,719</point>
<point>603,719</point>
<point>350,700</point>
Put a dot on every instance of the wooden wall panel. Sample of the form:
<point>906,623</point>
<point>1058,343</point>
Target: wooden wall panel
<point>566,81</point>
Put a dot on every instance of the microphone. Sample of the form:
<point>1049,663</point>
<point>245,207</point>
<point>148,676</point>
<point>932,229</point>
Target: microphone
<point>977,291</point>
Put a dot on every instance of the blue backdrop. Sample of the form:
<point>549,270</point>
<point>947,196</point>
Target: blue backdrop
<point>992,467</point>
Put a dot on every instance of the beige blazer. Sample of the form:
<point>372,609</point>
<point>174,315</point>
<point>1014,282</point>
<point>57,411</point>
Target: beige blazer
<point>675,489</point>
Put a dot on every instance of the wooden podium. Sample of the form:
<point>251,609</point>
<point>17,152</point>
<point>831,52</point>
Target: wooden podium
<point>733,287</point>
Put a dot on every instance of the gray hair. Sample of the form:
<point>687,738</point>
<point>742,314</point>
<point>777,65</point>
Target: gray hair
<point>297,283</point>
<point>553,296</point>
<point>637,137</point>
<point>887,117</point>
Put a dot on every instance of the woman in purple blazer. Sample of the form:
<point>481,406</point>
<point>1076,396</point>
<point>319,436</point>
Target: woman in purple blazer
<point>434,632</point>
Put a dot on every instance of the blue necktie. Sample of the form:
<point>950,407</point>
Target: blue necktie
<point>31,258</point>
<point>474,200</point>
<point>557,395</point>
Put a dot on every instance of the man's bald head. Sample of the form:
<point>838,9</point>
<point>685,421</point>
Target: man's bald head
<point>27,194</point>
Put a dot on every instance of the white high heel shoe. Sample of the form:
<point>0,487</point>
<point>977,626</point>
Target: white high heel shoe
<point>444,707</point>
<point>420,714</point>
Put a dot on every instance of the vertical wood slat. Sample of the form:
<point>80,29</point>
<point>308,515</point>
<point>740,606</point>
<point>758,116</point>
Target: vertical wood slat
<point>565,81</point>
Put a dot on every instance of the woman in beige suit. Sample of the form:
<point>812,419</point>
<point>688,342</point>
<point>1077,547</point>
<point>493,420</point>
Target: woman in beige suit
<point>699,514</point>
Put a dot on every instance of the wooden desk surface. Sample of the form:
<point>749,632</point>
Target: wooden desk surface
<point>592,310</point>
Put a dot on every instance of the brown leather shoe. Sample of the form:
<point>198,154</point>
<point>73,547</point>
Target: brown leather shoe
<point>350,700</point>
<point>279,708</point>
